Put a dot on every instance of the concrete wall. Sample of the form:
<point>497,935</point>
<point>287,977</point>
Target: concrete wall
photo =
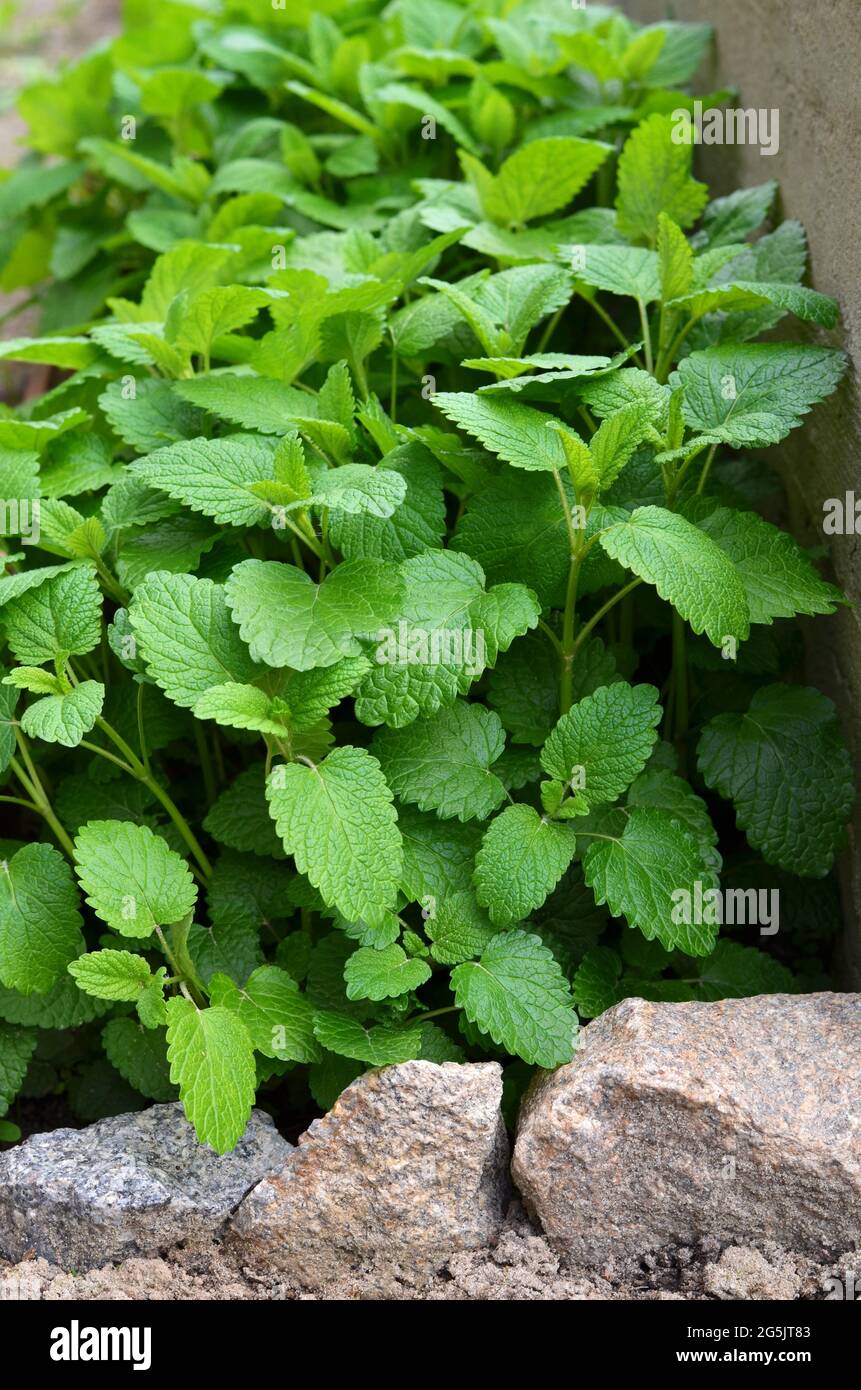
<point>804,58</point>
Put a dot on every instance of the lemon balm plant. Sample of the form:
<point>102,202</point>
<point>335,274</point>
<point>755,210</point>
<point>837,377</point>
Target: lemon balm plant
<point>395,643</point>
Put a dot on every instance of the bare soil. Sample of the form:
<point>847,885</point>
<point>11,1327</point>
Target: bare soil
<point>521,1267</point>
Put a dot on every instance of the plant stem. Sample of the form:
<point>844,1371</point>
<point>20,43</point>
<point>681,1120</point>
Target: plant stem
<point>550,329</point>
<point>569,646</point>
<point>31,782</point>
<point>706,470</point>
<point>647,336</point>
<point>393,403</point>
<point>141,730</point>
<point>602,613</point>
<point>137,769</point>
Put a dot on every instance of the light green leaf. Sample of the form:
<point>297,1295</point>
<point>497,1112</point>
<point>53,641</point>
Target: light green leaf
<point>779,580</point>
<point>604,741</point>
<point>384,974</point>
<point>61,617</point>
<point>458,928</point>
<point>751,395</point>
<point>443,764</point>
<point>40,925</point>
<point>338,822</point>
<point>448,630</point>
<point>655,177</point>
<point>379,1046</point>
<point>537,179</point>
<point>16,1049</point>
<point>288,620</point>
<point>518,995</point>
<point>212,1061</point>
<point>65,718</point>
<point>280,1020</point>
<point>675,258</point>
<point>638,862</point>
<point>213,476</point>
<point>686,567</point>
<point>131,878</point>
<point>522,857</point>
<point>186,636</point>
<point>112,974</point>
<point>517,433</point>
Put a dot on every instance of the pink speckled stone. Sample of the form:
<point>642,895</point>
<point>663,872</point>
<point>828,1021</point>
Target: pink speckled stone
<point>736,1120</point>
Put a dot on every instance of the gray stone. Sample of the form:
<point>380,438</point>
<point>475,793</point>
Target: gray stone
<point>131,1185</point>
<point>410,1166</point>
<point>735,1121</point>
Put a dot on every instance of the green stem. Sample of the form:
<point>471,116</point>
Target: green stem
<point>706,470</point>
<point>393,403</point>
<point>141,729</point>
<point>602,613</point>
<point>569,647</point>
<point>137,769</point>
<point>32,783</point>
<point>647,336</point>
<point>433,1013</point>
<point>550,329</point>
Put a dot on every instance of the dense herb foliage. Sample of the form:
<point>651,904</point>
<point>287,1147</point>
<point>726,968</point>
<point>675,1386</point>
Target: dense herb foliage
<point>395,609</point>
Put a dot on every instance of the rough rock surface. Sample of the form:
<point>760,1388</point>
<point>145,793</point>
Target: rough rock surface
<point>738,1121</point>
<point>744,1273</point>
<point>128,1186</point>
<point>411,1164</point>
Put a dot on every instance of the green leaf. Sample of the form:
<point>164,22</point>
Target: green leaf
<point>752,395</point>
<point>380,1046</point>
<point>213,476</point>
<point>675,257</point>
<point>357,488</point>
<point>59,618</point>
<point>596,983</point>
<point>215,312</point>
<point>279,1020</point>
<point>40,925</point>
<point>518,995</point>
<point>288,620</point>
<point>65,718</point>
<point>522,857</point>
<point>187,637</point>
<point>779,580</point>
<point>140,1056</point>
<point>537,179</point>
<point>729,220</point>
<point>661,788</point>
<point>131,878</point>
<point>212,1061</point>
<point>443,764</point>
<point>458,928</point>
<point>111,974</point>
<point>151,416</point>
<point>517,433</point>
<point>438,855</point>
<point>384,974</point>
<point>787,770</point>
<point>240,818</point>
<point>637,863</point>
<point>16,1049</point>
<point>604,741</point>
<point>733,971</point>
<point>631,271</point>
<point>449,629</point>
<point>338,822</point>
<point>655,177</point>
<point>686,567</point>
<point>254,403</point>
<point>63,1006</point>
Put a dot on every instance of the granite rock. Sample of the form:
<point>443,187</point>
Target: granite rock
<point>735,1121</point>
<point>409,1167</point>
<point>132,1185</point>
